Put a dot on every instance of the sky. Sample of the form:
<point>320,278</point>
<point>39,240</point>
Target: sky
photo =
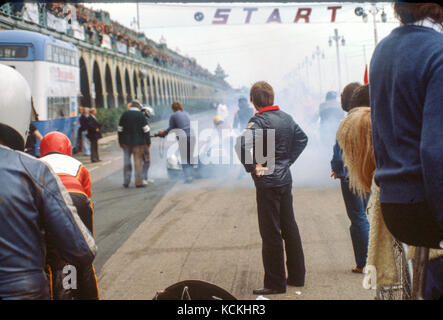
<point>274,52</point>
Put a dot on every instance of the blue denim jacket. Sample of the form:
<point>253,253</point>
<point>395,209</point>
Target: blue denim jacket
<point>337,164</point>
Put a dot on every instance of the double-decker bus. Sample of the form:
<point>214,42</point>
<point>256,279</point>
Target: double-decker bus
<point>52,70</point>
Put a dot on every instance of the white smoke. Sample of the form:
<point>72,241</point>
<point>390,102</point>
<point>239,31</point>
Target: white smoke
<point>313,167</point>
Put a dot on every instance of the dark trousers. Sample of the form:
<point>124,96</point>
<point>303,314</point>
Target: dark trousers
<point>412,223</point>
<point>137,151</point>
<point>94,150</point>
<point>277,224</point>
<point>87,285</point>
<point>359,229</point>
<point>186,147</point>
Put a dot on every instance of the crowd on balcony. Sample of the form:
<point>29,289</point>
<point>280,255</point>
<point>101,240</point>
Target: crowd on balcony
<point>97,23</point>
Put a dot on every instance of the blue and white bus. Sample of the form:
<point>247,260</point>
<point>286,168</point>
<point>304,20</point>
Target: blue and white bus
<point>51,68</point>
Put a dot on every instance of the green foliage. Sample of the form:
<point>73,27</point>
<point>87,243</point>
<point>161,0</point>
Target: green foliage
<point>109,118</point>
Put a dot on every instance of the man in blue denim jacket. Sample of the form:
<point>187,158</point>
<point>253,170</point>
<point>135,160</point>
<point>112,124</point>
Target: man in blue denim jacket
<point>355,205</point>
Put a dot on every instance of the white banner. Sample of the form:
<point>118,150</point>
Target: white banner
<point>78,31</point>
<point>165,15</point>
<point>122,47</point>
<point>106,42</point>
<point>31,12</point>
<point>58,24</point>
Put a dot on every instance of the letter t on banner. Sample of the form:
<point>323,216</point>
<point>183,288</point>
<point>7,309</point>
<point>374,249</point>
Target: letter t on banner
<point>334,12</point>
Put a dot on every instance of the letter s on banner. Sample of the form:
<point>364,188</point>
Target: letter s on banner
<point>222,14</point>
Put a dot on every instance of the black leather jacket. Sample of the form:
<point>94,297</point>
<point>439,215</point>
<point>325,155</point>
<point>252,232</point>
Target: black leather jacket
<point>287,140</point>
<point>33,204</point>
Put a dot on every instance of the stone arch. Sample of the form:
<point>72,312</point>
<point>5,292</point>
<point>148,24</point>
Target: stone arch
<point>150,91</point>
<point>166,91</point>
<point>135,85</point>
<point>160,91</point>
<point>154,90</point>
<point>98,88</point>
<point>128,87</point>
<point>142,89</point>
<point>84,84</point>
<point>176,90</point>
<point>109,88</point>
<point>119,87</point>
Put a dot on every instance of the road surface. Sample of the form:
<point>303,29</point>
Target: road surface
<point>151,238</point>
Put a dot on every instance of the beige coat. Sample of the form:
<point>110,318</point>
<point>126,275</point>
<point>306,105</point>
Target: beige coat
<point>380,250</point>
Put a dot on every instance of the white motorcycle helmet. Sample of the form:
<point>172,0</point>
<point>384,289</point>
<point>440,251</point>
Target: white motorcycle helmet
<point>15,108</point>
<point>148,111</point>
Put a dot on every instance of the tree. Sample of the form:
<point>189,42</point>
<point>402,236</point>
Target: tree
<point>220,73</point>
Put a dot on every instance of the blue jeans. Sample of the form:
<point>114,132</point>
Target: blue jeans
<point>356,210</point>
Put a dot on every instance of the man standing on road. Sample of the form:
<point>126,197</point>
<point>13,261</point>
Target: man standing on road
<point>84,131</point>
<point>331,114</point>
<point>133,136</point>
<point>180,124</point>
<point>94,134</point>
<point>243,114</point>
<point>273,184</point>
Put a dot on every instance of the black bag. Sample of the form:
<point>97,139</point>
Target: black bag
<point>193,290</point>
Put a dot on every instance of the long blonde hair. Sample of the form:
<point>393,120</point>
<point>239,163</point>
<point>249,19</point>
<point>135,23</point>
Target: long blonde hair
<point>354,138</point>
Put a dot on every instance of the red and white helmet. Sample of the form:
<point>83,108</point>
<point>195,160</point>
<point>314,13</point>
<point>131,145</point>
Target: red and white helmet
<point>55,142</point>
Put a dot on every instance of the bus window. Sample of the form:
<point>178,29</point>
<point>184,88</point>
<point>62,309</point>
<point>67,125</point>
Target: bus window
<point>8,51</point>
<point>49,53</point>
<point>58,107</point>
<point>54,54</point>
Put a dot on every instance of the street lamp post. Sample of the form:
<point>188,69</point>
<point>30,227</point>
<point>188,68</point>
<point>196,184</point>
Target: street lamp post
<point>337,38</point>
<point>374,10</point>
<point>317,53</point>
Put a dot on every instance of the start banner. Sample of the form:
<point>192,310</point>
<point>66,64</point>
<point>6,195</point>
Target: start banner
<point>187,14</point>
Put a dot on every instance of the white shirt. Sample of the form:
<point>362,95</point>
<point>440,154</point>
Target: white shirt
<point>429,23</point>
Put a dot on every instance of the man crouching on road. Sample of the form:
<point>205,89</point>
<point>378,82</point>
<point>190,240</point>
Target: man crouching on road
<point>273,183</point>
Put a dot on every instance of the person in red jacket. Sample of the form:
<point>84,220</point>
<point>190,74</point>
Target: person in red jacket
<point>56,151</point>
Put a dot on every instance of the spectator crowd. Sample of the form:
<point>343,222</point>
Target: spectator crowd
<point>97,23</point>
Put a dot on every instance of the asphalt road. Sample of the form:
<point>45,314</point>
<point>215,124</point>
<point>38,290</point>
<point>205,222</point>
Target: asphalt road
<point>151,238</point>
